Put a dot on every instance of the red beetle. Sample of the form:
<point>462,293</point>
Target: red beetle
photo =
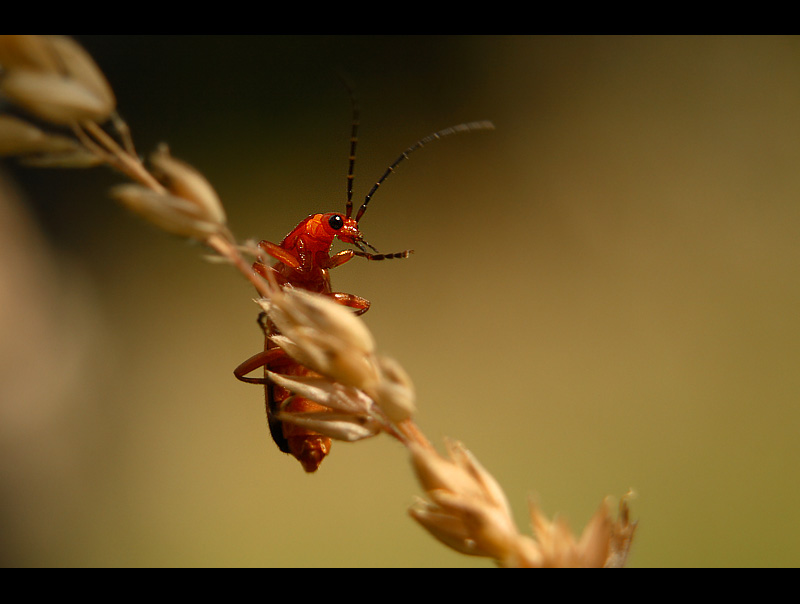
<point>303,261</point>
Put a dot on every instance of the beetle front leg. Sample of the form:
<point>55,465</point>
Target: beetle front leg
<point>280,254</point>
<point>339,258</point>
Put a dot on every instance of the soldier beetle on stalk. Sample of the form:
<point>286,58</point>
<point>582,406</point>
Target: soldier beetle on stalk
<point>303,261</point>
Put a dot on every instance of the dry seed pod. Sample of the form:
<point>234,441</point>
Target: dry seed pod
<point>53,78</point>
<point>54,98</point>
<point>81,67</point>
<point>324,336</point>
<point>172,214</point>
<point>394,392</point>
<point>343,399</point>
<point>18,137</point>
<point>338,426</point>
<point>468,511</point>
<point>32,53</point>
<point>182,180</point>
<point>325,315</point>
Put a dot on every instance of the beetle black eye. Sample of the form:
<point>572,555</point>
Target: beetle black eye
<point>336,222</point>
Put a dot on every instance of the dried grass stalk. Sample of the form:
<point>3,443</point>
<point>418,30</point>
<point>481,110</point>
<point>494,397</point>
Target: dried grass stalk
<point>54,79</point>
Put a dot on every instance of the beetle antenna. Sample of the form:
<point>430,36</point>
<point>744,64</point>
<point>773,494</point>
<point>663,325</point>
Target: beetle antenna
<point>468,127</point>
<point>353,142</point>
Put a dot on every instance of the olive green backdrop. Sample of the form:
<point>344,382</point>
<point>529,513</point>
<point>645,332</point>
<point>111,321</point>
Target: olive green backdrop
<point>604,295</point>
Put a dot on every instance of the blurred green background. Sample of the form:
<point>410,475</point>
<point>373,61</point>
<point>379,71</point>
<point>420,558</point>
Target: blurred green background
<point>604,295</point>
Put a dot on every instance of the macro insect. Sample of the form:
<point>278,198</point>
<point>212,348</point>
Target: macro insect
<point>303,261</point>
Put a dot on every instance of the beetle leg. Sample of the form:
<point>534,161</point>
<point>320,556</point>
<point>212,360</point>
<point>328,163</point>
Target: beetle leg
<point>263,323</point>
<point>361,305</point>
<point>265,357</point>
<point>339,258</point>
<point>280,254</point>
